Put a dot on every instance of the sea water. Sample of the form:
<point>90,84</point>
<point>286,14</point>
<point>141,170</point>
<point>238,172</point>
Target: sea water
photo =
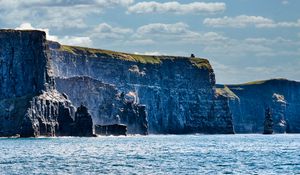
<point>154,154</point>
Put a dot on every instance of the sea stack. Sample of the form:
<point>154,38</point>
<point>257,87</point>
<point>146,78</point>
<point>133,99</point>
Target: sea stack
<point>268,124</point>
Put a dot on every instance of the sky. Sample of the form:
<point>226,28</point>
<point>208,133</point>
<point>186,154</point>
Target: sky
<point>244,40</point>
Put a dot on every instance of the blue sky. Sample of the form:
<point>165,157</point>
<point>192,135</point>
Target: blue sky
<point>244,40</point>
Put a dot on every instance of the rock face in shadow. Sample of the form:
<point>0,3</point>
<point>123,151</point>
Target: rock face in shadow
<point>49,114</point>
<point>107,130</point>
<point>178,92</point>
<point>108,106</point>
<point>83,122</point>
<point>29,104</point>
<point>248,102</point>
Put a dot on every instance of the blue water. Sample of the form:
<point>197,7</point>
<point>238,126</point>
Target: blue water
<point>154,154</point>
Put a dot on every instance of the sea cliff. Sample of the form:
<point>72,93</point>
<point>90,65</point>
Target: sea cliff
<point>249,101</point>
<point>30,105</point>
<point>178,93</point>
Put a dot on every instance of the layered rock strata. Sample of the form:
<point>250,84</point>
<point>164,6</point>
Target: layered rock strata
<point>108,106</point>
<point>29,104</point>
<point>178,92</point>
<point>248,102</point>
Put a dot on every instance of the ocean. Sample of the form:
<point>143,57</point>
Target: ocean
<point>153,154</point>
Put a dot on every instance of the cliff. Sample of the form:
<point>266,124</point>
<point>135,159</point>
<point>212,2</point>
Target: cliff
<point>178,93</point>
<point>248,103</point>
<point>29,104</point>
<point>105,102</point>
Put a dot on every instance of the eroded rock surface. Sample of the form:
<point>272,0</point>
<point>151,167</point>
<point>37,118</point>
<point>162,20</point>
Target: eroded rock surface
<point>248,102</point>
<point>115,130</point>
<point>107,105</point>
<point>29,104</point>
<point>178,92</point>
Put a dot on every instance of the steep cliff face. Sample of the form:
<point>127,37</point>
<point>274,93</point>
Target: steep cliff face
<point>250,100</point>
<point>178,92</point>
<point>29,104</point>
<point>107,105</point>
<point>49,114</point>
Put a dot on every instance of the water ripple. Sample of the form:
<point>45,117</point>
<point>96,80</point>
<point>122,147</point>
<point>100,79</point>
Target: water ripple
<point>155,154</point>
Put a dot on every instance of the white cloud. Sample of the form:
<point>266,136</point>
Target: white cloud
<point>56,14</point>
<point>76,41</point>
<point>179,32</point>
<point>106,31</point>
<point>114,2</point>
<point>285,2</point>
<point>28,26</point>
<point>176,7</point>
<point>68,40</point>
<point>244,21</point>
<point>238,21</point>
<point>149,53</point>
<point>161,28</point>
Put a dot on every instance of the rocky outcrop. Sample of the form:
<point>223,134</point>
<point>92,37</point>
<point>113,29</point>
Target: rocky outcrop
<point>83,122</point>
<point>248,102</point>
<point>49,114</point>
<point>107,130</point>
<point>268,123</point>
<point>178,92</point>
<point>29,104</point>
<point>107,105</point>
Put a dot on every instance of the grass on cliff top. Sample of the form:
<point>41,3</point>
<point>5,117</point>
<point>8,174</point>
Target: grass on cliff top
<point>150,59</point>
<point>226,92</point>
<point>118,55</point>
<point>259,82</point>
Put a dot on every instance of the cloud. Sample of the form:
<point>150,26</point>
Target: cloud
<point>149,53</point>
<point>244,21</point>
<point>238,21</point>
<point>161,28</point>
<point>179,32</point>
<point>56,14</point>
<point>176,7</point>
<point>76,41</point>
<point>106,31</point>
<point>285,2</point>
<point>68,40</point>
<point>28,26</point>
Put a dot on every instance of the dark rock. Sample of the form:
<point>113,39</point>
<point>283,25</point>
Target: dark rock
<point>83,122</point>
<point>29,104</point>
<point>115,129</point>
<point>268,123</point>
<point>177,91</point>
<point>135,117</point>
<point>106,104</point>
<point>49,114</point>
<point>248,101</point>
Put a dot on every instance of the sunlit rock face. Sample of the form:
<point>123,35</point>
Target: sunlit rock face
<point>178,92</point>
<point>29,104</point>
<point>250,100</point>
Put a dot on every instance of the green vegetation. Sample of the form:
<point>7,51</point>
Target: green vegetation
<point>259,82</point>
<point>226,92</point>
<point>118,55</point>
<point>199,62</point>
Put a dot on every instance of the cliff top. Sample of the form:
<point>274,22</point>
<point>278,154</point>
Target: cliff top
<point>145,59</point>
<point>261,82</point>
<point>225,91</point>
<point>21,31</point>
